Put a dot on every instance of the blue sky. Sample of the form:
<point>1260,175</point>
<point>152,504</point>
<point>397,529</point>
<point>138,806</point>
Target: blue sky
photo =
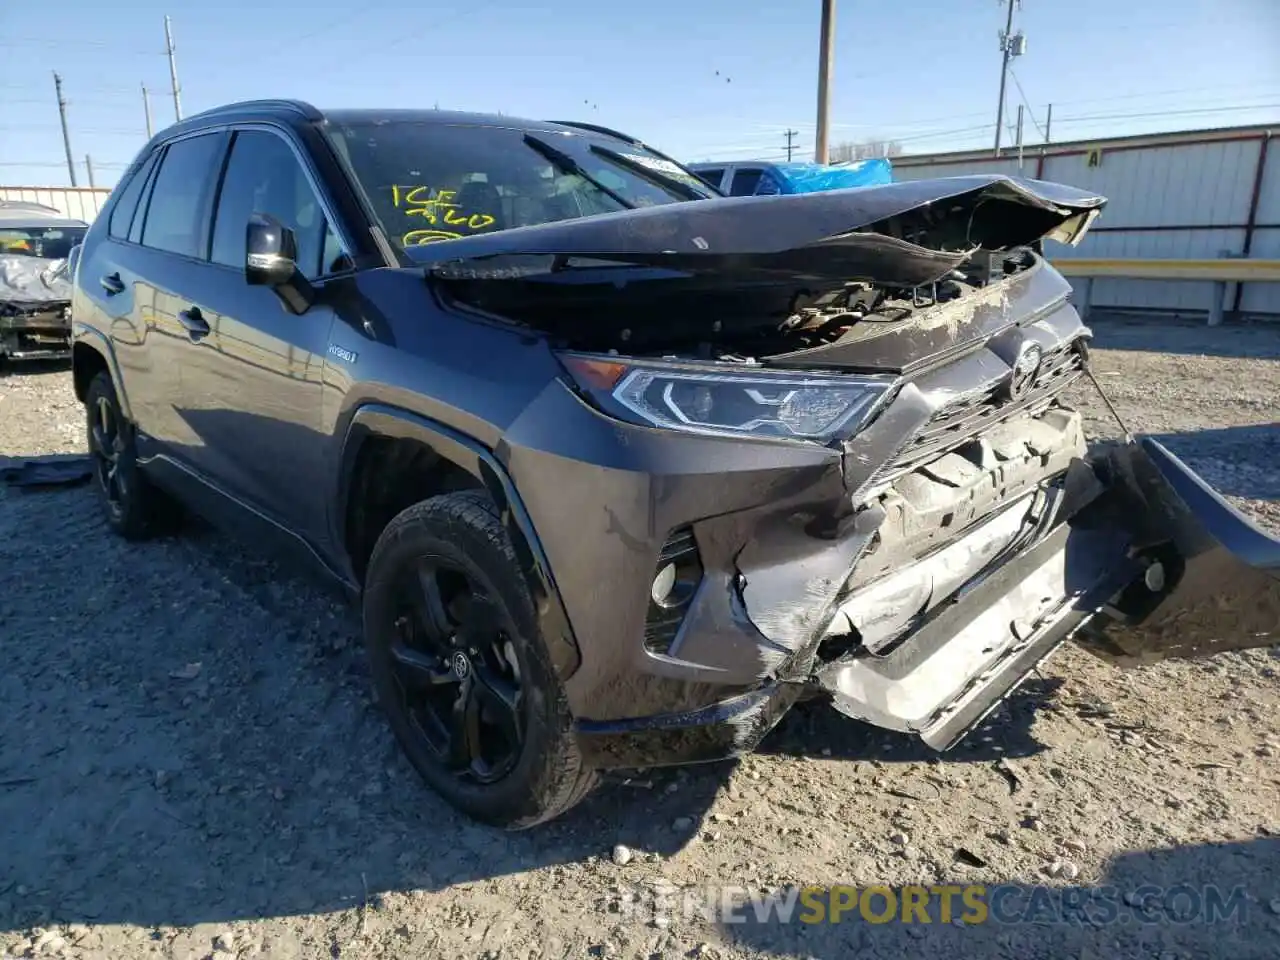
<point>708,80</point>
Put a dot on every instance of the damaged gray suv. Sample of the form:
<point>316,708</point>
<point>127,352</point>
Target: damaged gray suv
<point>619,468</point>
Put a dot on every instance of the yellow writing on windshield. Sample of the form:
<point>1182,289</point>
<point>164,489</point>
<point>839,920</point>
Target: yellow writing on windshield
<point>435,207</point>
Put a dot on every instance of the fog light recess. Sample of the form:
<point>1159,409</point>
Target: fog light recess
<point>675,580</point>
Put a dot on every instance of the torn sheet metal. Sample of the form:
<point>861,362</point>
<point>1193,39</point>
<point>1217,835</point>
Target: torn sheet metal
<point>33,281</point>
<point>966,660</point>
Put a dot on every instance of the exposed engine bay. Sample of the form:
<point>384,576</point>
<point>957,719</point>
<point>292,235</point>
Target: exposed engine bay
<point>703,318</point>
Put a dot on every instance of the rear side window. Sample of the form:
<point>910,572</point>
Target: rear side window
<point>745,181</point>
<point>177,214</point>
<point>712,177</point>
<point>264,176</point>
<point>122,212</point>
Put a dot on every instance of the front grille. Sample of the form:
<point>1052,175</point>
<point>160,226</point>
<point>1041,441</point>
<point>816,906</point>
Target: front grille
<point>961,420</point>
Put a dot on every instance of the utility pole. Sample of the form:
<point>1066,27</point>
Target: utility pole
<point>825,49</point>
<point>173,68</point>
<point>1006,50</point>
<point>146,106</point>
<point>1048,122</point>
<point>1019,129</point>
<point>88,165</point>
<point>66,137</point>
<point>791,135</point>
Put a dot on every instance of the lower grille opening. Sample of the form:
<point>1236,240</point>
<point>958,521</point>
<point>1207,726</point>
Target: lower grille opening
<point>675,580</point>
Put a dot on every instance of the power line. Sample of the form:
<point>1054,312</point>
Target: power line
<point>99,45</point>
<point>1160,93</point>
<point>58,163</point>
<point>104,131</point>
<point>30,85</point>
<point>1170,113</point>
<point>1026,103</point>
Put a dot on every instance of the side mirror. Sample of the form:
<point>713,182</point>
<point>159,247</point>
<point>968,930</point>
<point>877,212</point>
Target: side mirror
<point>270,260</point>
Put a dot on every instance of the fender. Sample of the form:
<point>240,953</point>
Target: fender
<point>382,420</point>
<point>101,343</point>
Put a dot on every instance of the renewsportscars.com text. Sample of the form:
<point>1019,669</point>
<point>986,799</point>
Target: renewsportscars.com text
<point>960,904</point>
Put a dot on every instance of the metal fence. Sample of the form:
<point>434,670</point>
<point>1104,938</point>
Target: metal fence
<point>1185,196</point>
<point>79,203</point>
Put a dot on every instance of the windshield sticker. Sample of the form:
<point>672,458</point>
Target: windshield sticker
<point>436,208</point>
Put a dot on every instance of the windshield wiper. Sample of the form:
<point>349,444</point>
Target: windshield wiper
<point>662,179</point>
<point>566,164</point>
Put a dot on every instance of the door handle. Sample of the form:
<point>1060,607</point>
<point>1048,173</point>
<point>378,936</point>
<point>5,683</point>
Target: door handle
<point>112,284</point>
<point>195,323</point>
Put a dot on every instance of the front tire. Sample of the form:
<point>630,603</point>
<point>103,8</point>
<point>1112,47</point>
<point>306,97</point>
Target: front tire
<point>460,669</point>
<point>132,507</point>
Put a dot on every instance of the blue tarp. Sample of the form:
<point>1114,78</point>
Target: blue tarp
<point>812,177</point>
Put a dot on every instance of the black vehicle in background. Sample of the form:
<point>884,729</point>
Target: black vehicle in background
<point>36,243</point>
<point>619,468</point>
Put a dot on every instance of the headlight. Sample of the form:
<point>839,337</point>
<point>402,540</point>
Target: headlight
<point>716,400</point>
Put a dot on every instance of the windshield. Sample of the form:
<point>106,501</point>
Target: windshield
<point>51,242</point>
<point>429,182</point>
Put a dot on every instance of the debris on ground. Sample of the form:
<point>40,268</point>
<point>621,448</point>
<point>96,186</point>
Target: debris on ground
<point>147,816</point>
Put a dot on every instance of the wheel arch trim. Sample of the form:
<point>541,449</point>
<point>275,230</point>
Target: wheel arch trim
<point>100,343</point>
<point>371,420</point>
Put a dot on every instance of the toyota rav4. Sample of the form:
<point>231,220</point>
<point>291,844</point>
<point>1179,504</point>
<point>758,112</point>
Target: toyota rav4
<point>618,468</point>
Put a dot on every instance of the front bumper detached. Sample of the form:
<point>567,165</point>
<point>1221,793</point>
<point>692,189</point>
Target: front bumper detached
<point>1135,557</point>
<point>35,334</point>
<point>1154,564</point>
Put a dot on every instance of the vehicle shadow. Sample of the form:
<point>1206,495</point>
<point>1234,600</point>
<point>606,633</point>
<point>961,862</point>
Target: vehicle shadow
<point>1206,900</point>
<point>1116,330</point>
<point>205,749</point>
<point>814,727</point>
<point>13,368</point>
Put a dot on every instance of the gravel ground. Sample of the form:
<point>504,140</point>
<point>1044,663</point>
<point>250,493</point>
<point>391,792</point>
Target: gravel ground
<point>191,766</point>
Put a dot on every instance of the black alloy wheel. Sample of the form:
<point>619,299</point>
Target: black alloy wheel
<point>458,662</point>
<point>132,506</point>
<point>107,447</point>
<point>457,672</point>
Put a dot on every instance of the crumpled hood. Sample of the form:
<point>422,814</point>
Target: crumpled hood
<point>903,233</point>
<point>33,281</point>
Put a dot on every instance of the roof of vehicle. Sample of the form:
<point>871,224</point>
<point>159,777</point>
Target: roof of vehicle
<point>714,164</point>
<point>298,110</point>
<point>24,213</point>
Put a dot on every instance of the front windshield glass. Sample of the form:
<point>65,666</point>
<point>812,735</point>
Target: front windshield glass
<point>429,182</point>
<point>54,243</point>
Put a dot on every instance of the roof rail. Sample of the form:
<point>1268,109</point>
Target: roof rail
<point>297,106</point>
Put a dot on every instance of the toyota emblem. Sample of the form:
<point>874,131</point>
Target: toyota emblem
<point>461,665</point>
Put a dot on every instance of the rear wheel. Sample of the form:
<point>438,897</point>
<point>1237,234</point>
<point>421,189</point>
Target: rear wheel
<point>460,669</point>
<point>132,506</point>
